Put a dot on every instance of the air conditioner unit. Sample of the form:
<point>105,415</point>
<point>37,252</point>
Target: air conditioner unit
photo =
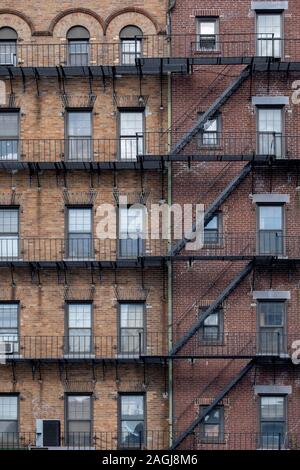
<point>7,58</point>
<point>8,348</point>
<point>47,433</point>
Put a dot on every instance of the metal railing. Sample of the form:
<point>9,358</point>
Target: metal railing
<point>75,347</point>
<point>235,45</point>
<point>271,343</point>
<point>210,145</point>
<point>150,440</point>
<point>78,249</point>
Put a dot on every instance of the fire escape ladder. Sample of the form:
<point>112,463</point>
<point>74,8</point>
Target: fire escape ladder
<point>214,403</point>
<point>209,213</point>
<point>213,307</point>
<point>199,125</point>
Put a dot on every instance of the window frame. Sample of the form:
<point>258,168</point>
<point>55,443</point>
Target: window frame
<point>218,118</point>
<point>136,40</point>
<point>280,13</point>
<point>259,231</point>
<point>261,420</point>
<point>201,335</point>
<point>17,395</point>
<point>120,420</point>
<point>144,328</point>
<point>67,327</point>
<point>141,242</point>
<point>12,138</point>
<point>69,139</point>
<point>281,135</point>
<point>120,136</point>
<point>213,439</point>
<point>67,420</point>
<point>17,343</point>
<point>11,43</point>
<point>11,234</point>
<point>219,229</point>
<point>67,232</point>
<point>207,19</point>
<point>259,302</point>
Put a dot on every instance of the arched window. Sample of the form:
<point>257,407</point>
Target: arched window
<point>131,44</point>
<point>8,46</point>
<point>78,46</point>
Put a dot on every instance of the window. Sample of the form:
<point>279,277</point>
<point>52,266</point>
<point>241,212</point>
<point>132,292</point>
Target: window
<point>79,324</point>
<point>212,231</point>
<point>9,334</point>
<point>9,232</point>
<point>210,136</point>
<point>132,421</point>
<point>131,44</point>
<point>270,139</point>
<point>270,230</point>
<point>207,34</point>
<point>211,331</point>
<point>79,420</point>
<point>8,420</point>
<point>131,328</point>
<point>79,135</point>
<point>78,46</point>
<point>131,231</point>
<point>272,421</point>
<point>269,34</point>
<point>80,244</point>
<point>271,321</point>
<point>212,427</point>
<point>8,46</point>
<point>131,134</point>
<point>9,136</point>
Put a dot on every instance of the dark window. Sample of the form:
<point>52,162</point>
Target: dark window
<point>212,427</point>
<point>212,231</point>
<point>211,331</point>
<point>9,233</point>
<point>8,420</point>
<point>270,138</point>
<point>207,34</point>
<point>210,136</point>
<point>79,323</point>
<point>9,136</point>
<point>271,327</point>
<point>132,425</point>
<point>272,421</point>
<point>131,328</point>
<point>269,34</point>
<point>79,135</point>
<point>9,334</point>
<point>131,134</point>
<point>80,242</point>
<point>78,46</point>
<point>131,231</point>
<point>131,44</point>
<point>79,420</point>
<point>270,230</point>
<point>8,46</point>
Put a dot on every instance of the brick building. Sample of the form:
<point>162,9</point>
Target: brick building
<point>159,101</point>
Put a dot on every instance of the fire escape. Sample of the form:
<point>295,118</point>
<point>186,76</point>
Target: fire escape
<point>235,347</point>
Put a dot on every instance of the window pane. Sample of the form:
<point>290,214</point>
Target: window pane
<point>131,123</point>
<point>270,218</point>
<point>132,406</point>
<point>79,315</point>
<point>9,125</point>
<point>8,408</point>
<point>79,124</point>
<point>213,224</point>
<point>272,407</point>
<point>212,320</point>
<point>270,120</point>
<point>9,220</point>
<point>79,407</point>
<point>213,417</point>
<point>211,430</point>
<point>207,27</point>
<point>271,313</point>
<point>80,220</point>
<point>8,316</point>
<point>8,427</point>
<point>269,24</point>
<point>132,315</point>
